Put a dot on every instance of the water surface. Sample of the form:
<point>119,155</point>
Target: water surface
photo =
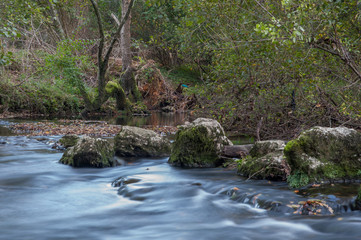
<point>148,199</point>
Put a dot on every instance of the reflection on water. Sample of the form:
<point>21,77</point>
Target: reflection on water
<point>155,119</point>
<point>5,131</point>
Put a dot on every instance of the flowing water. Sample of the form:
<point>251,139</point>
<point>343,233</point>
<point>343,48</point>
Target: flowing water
<point>149,199</point>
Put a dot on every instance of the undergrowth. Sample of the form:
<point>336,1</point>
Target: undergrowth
<point>42,83</point>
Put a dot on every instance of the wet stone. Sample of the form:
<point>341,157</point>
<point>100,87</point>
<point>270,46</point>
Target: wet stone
<point>89,152</point>
<point>124,181</point>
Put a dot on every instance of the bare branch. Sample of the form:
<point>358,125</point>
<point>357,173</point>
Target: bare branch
<point>259,126</point>
<point>345,57</point>
<point>115,19</point>
<point>327,50</point>
<point>101,32</point>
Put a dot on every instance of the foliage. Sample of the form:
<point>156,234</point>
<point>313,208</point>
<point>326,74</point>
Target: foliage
<point>155,23</point>
<point>258,62</point>
<point>69,64</point>
<point>276,67</point>
<point>298,179</point>
<point>38,97</point>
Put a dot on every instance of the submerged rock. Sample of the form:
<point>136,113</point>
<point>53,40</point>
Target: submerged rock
<point>199,144</point>
<point>89,152</point>
<point>326,200</point>
<point>324,154</point>
<point>265,161</point>
<point>139,142</point>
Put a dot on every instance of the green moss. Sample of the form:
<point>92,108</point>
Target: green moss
<point>112,87</point>
<point>322,155</point>
<point>240,161</point>
<point>265,167</point>
<point>192,148</point>
<point>249,166</point>
<point>69,140</point>
<point>298,179</point>
<point>139,107</point>
<point>89,153</point>
<point>294,149</point>
<point>333,171</point>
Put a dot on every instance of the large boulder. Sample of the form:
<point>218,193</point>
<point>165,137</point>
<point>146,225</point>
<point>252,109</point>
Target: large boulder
<point>265,161</point>
<point>324,154</point>
<point>199,144</point>
<point>89,152</point>
<point>139,142</point>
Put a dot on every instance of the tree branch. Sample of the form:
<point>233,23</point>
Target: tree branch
<point>115,18</point>
<point>343,58</point>
<point>101,32</point>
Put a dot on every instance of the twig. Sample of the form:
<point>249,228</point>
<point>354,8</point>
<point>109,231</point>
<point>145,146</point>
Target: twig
<point>259,126</point>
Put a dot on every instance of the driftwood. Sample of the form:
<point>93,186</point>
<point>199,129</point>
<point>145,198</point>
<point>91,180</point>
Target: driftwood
<point>236,151</point>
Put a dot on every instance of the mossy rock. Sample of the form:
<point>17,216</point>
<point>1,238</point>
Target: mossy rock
<point>324,154</point>
<point>89,152</point>
<point>199,144</point>
<point>262,148</point>
<point>265,161</point>
<point>68,141</point>
<point>139,142</point>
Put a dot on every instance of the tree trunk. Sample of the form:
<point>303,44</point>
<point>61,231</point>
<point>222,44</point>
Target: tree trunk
<point>102,69</point>
<point>103,60</point>
<point>127,79</point>
<point>125,38</point>
<point>56,20</point>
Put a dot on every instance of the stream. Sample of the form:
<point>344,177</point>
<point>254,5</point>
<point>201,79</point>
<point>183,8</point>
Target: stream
<point>149,199</point>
